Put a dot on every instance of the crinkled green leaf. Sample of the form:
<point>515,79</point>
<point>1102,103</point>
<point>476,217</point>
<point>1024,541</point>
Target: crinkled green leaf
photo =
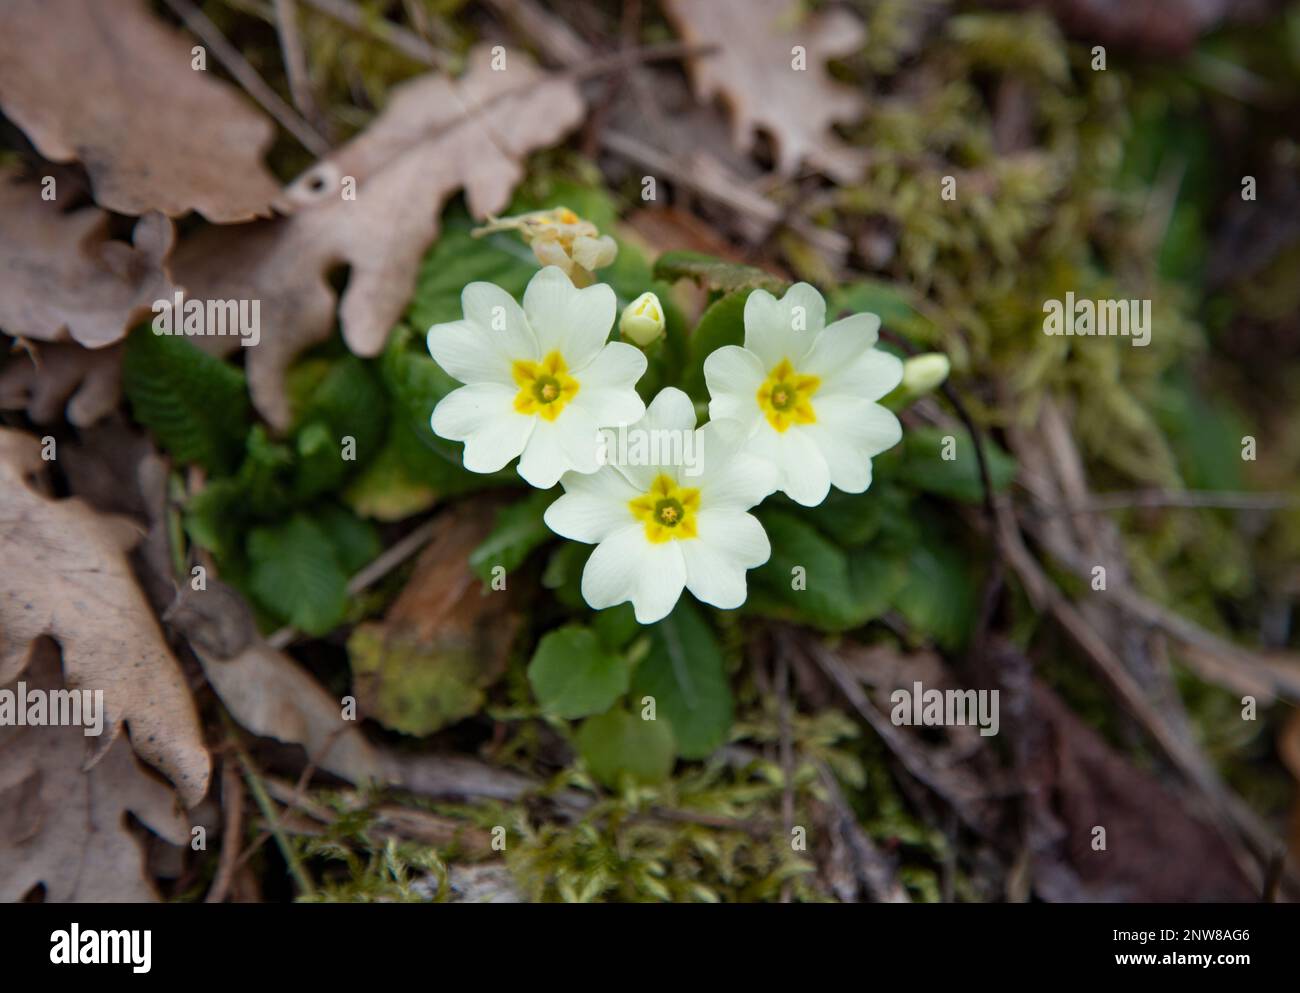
<point>196,404</point>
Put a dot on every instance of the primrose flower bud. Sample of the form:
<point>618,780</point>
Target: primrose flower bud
<point>923,373</point>
<point>642,322</point>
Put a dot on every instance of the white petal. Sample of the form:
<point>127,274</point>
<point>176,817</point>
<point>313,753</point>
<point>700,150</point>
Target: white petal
<point>495,310</point>
<point>625,566</point>
<point>871,376</point>
<point>672,414</point>
<point>570,442</point>
<point>848,432</point>
<point>716,561</point>
<point>574,322</point>
<point>482,415</point>
<point>593,506</point>
<point>738,483</point>
<point>606,387</point>
<point>733,375</point>
<point>469,353</point>
<point>785,328</point>
<point>803,474</point>
<point>670,409</point>
<point>841,344</point>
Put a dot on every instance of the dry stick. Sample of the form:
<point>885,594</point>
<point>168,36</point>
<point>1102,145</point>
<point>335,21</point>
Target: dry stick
<point>1043,592</point>
<point>873,869</point>
<point>1211,499</point>
<point>295,62</point>
<point>232,802</point>
<point>267,807</point>
<point>389,560</point>
<point>411,45</point>
<point>247,77</point>
<point>782,680</point>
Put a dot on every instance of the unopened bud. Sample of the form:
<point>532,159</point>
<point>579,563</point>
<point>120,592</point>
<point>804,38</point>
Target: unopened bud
<point>923,373</point>
<point>643,320</point>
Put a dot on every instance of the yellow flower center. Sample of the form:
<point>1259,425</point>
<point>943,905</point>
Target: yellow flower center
<point>785,397</point>
<point>667,510</point>
<point>545,387</point>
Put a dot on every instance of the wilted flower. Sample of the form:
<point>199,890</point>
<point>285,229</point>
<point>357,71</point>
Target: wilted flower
<point>561,238</point>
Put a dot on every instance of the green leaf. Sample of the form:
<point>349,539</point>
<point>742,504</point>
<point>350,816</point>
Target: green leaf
<point>723,323</point>
<point>572,675</point>
<point>616,626</point>
<point>940,595</point>
<point>456,260</point>
<point>920,463</point>
<point>196,404</point>
<point>356,542</point>
<point>892,303</point>
<point>808,578</point>
<point>686,674</point>
<point>714,273</point>
<point>385,491</point>
<point>415,384</point>
<point>563,573</point>
<point>618,743</point>
<point>517,531</point>
<point>348,401</point>
<point>295,573</point>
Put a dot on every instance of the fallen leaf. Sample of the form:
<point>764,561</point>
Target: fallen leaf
<point>436,136</point>
<point>64,572</point>
<point>52,380</point>
<point>753,69</point>
<point>1155,851</point>
<point>106,83</point>
<point>62,276</point>
<point>274,697</point>
<point>64,827</point>
<point>445,638</point>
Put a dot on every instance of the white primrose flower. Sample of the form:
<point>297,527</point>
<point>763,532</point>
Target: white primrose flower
<point>660,527</point>
<point>541,380</point>
<point>806,392</point>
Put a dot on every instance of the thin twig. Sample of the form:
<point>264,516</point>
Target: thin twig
<point>267,807</point>
<point>409,44</point>
<point>389,560</point>
<point>254,85</point>
<point>295,62</point>
<point>232,804</point>
<point>1211,499</point>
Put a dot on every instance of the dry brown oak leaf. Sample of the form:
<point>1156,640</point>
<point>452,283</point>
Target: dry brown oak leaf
<point>62,276</point>
<point>106,83</point>
<point>64,573</point>
<point>759,43</point>
<point>56,380</point>
<point>436,136</point>
<point>65,827</point>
